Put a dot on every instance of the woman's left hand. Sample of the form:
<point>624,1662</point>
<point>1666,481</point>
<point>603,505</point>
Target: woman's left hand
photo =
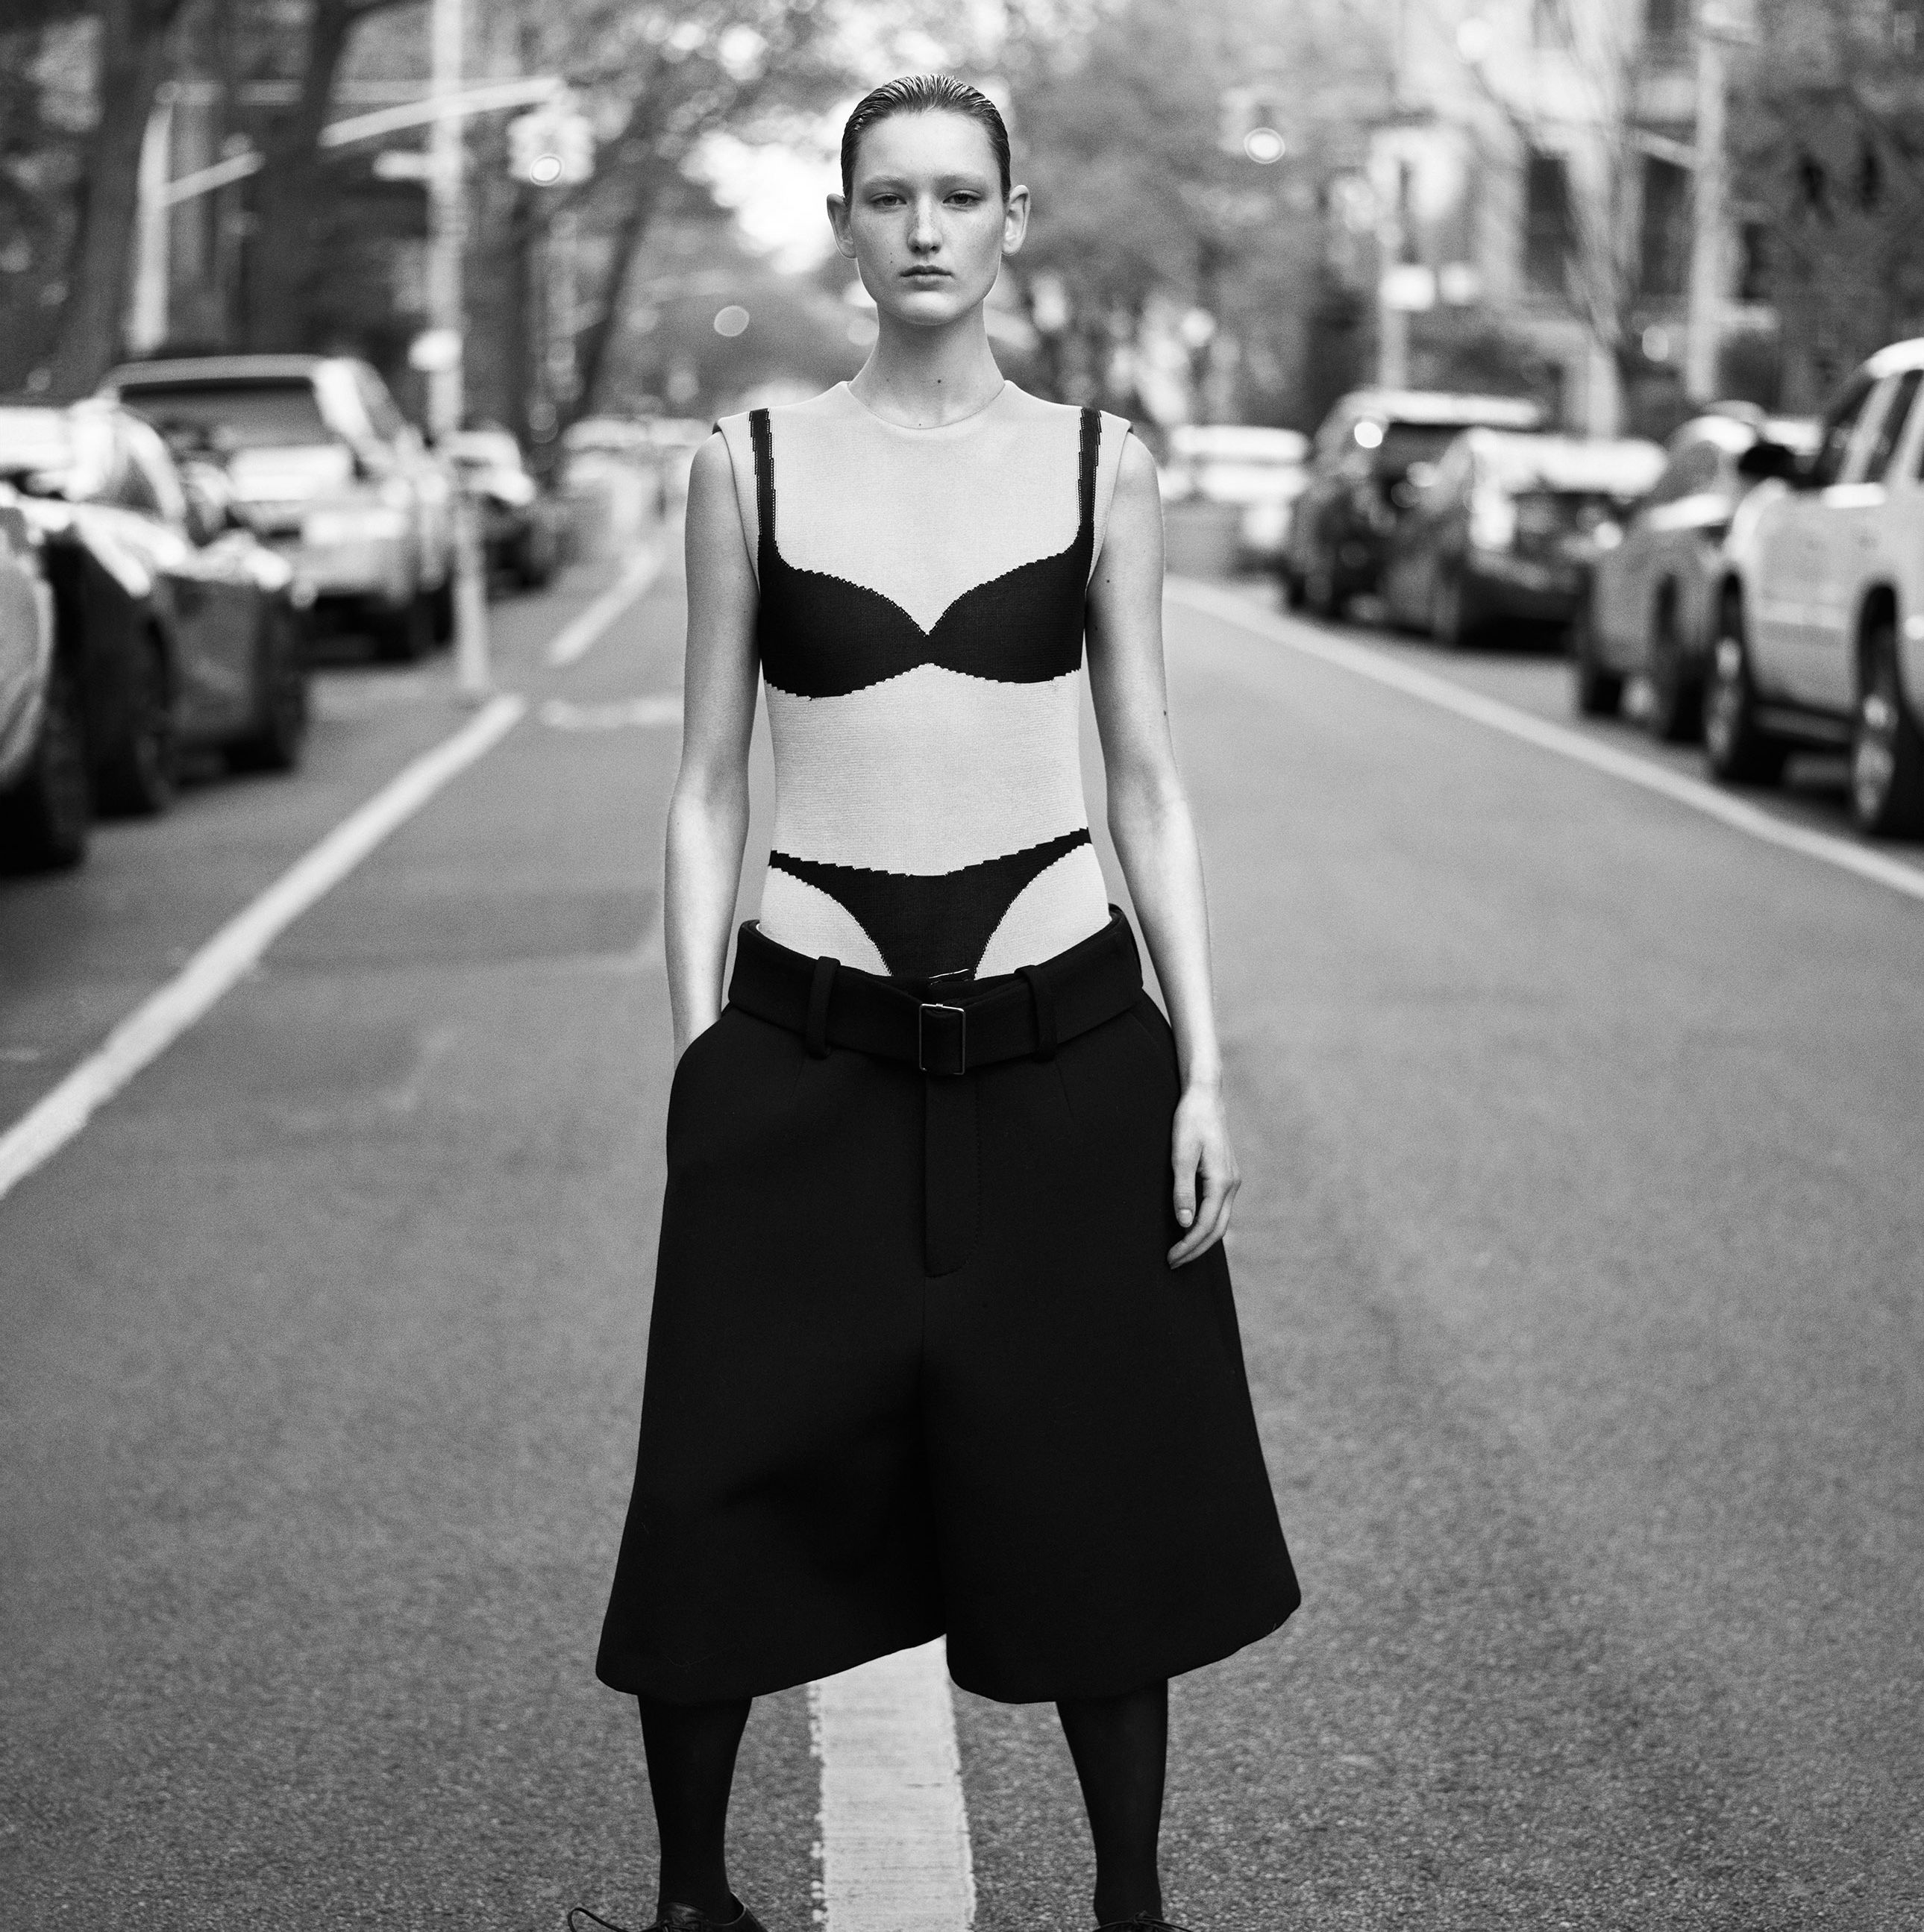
<point>1206,1166</point>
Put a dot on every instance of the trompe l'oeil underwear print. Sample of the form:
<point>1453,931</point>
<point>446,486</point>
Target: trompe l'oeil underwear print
<point>924,925</point>
<point>821,636</point>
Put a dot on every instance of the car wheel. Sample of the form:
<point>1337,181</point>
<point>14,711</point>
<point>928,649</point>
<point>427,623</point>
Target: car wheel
<point>1737,748</point>
<point>1320,594</point>
<point>1449,619</point>
<point>441,608</point>
<point>137,774</point>
<point>279,697</point>
<point>46,816</point>
<point>1293,588</point>
<point>406,636</point>
<point>1676,695</point>
<point>1887,751</point>
<point>1598,690</point>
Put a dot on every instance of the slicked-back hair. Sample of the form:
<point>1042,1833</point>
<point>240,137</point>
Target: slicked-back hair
<point>924,93</point>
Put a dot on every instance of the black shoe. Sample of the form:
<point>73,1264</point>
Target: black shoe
<point>1141,1922</point>
<point>676,1919</point>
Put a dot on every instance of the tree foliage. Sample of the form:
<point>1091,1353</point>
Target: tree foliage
<point>1829,139</point>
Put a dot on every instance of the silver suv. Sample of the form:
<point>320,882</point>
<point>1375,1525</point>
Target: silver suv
<point>1819,639</point>
<point>330,473</point>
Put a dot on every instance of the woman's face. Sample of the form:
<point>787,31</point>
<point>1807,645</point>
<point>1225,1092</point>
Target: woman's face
<point>926,225</point>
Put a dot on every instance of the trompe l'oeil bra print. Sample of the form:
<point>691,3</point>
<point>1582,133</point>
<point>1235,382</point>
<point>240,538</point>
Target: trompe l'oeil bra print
<point>821,636</point>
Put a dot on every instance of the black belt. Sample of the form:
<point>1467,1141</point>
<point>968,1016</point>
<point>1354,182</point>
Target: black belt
<point>1025,1014</point>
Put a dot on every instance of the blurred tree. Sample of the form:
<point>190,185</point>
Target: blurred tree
<point>659,78</point>
<point>1828,135</point>
<point>46,112</point>
<point>296,201</point>
<point>131,56</point>
<point>1167,271</point>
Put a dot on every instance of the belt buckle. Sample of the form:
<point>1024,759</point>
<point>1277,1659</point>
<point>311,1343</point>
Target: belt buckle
<point>948,1039</point>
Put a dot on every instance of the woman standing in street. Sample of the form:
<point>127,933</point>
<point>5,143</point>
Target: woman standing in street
<point>943,1339</point>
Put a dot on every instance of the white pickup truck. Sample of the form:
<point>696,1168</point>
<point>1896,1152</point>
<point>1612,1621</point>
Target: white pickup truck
<point>1819,637</point>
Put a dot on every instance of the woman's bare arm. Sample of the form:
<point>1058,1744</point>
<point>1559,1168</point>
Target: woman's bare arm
<point>708,814</point>
<point>1149,819</point>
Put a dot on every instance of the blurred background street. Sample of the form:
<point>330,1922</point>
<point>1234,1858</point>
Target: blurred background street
<point>1534,386</point>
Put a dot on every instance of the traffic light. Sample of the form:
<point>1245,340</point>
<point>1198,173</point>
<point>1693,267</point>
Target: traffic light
<point>552,145</point>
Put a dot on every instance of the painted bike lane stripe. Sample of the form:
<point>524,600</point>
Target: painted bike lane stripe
<point>161,1019</point>
<point>894,1849</point>
<point>583,631</point>
<point>1697,794</point>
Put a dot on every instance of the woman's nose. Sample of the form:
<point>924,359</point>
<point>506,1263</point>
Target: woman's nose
<point>923,232</point>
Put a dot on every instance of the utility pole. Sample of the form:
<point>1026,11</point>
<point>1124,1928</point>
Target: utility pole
<point>447,221</point>
<point>1718,23</point>
<point>147,310</point>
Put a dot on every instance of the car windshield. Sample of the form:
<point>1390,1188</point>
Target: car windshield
<point>1406,443</point>
<point>231,415</point>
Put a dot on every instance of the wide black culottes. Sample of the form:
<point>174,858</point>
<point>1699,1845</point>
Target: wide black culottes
<point>1049,1453</point>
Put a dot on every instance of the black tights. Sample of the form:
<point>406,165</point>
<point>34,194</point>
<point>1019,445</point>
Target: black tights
<point>1119,1744</point>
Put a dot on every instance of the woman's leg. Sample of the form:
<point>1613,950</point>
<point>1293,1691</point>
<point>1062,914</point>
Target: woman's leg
<point>690,1751</point>
<point>1120,1745</point>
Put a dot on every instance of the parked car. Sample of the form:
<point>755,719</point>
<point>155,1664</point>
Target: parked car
<point>520,527</point>
<point>1257,472</point>
<point>45,801</point>
<point>1652,603</point>
<point>331,474</point>
<point>1819,634</point>
<point>1508,528</point>
<point>183,628</point>
<point>1372,454</point>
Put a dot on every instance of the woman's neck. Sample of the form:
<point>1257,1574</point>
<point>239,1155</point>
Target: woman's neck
<point>922,378</point>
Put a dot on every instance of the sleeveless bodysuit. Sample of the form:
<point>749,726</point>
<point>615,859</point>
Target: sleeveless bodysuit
<point>920,638</point>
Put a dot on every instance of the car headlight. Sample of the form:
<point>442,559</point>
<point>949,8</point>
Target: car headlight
<point>322,529</point>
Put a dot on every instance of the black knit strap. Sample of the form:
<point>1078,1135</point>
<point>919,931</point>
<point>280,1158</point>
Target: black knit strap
<point>761,439</point>
<point>1043,1000</point>
<point>821,984</point>
<point>1092,443</point>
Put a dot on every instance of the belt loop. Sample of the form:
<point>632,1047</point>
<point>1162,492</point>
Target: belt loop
<point>1045,1011</point>
<point>814,1035</point>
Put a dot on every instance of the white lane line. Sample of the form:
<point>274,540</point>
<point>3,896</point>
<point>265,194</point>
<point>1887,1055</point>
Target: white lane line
<point>583,631</point>
<point>1698,794</point>
<point>894,1850</point>
<point>158,1021</point>
<point>563,714</point>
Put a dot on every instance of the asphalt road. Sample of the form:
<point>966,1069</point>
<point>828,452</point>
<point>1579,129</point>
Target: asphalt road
<point>1579,1263</point>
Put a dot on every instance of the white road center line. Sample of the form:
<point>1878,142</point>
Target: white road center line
<point>1696,794</point>
<point>158,1021</point>
<point>583,631</point>
<point>895,1850</point>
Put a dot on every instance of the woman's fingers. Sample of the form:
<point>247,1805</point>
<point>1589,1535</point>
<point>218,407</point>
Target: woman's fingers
<point>1185,1155</point>
<point>1209,1165</point>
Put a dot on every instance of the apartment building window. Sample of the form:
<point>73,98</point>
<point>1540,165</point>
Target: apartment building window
<point>1664,251</point>
<point>1550,233</point>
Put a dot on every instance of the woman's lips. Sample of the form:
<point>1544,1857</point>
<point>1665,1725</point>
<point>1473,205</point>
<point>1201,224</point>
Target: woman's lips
<point>925,274</point>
